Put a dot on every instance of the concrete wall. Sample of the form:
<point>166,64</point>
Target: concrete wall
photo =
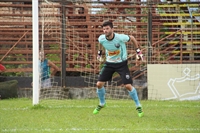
<point>81,93</point>
<point>76,88</point>
<point>174,81</point>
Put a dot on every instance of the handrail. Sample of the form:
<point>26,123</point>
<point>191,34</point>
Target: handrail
<point>13,46</point>
<point>180,30</point>
<point>179,42</point>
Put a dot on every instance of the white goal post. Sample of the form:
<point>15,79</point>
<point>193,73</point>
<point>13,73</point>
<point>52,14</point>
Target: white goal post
<point>35,51</point>
<point>42,14</point>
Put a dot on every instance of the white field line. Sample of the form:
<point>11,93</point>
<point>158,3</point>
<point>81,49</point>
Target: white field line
<point>115,106</point>
<point>96,129</point>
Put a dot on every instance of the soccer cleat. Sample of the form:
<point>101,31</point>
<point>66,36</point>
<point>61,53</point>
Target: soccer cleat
<point>140,112</point>
<point>98,108</point>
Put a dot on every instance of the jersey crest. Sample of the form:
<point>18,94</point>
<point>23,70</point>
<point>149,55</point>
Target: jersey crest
<point>117,45</point>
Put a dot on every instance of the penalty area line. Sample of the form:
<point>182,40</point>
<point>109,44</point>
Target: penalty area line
<point>113,106</point>
<point>96,129</point>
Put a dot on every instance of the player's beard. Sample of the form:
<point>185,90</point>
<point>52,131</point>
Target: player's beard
<point>109,34</point>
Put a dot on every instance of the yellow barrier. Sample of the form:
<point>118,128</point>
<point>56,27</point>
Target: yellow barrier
<point>181,23</point>
<point>184,32</point>
<point>176,5</point>
<point>178,14</point>
<point>184,42</point>
<point>185,52</point>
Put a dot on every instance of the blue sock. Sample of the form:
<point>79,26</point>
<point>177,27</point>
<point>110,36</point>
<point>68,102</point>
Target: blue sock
<point>101,94</point>
<point>134,96</point>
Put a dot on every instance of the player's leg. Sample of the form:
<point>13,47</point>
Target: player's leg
<point>134,96</point>
<point>105,75</point>
<point>42,84</point>
<point>48,82</point>
<point>101,93</point>
<point>127,80</point>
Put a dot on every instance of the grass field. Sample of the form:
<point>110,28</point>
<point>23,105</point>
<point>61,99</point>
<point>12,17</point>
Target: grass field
<point>18,115</point>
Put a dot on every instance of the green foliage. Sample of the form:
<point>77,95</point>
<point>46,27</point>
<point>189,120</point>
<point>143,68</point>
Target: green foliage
<point>17,57</point>
<point>88,66</point>
<point>115,74</point>
<point>75,56</point>
<point>131,65</point>
<point>130,11</point>
<point>160,10</point>
<point>86,56</point>
<point>53,57</point>
<point>101,66</point>
<point>163,57</point>
<point>77,66</point>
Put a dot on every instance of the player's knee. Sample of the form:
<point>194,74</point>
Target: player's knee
<point>99,84</point>
<point>128,87</point>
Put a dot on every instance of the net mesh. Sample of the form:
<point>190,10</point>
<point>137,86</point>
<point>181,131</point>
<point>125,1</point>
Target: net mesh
<point>50,40</point>
<point>83,26</point>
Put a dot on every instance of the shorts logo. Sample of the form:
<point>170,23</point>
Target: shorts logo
<point>117,45</point>
<point>127,76</point>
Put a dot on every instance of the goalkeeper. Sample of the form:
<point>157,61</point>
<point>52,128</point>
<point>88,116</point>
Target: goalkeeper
<point>116,61</point>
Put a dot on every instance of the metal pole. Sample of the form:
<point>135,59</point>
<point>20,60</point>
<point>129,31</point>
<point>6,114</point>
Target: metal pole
<point>191,21</point>
<point>149,34</point>
<point>63,71</point>
<point>35,28</point>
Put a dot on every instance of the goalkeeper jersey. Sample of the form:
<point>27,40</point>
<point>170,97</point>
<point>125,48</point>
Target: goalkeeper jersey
<point>45,70</point>
<point>115,49</point>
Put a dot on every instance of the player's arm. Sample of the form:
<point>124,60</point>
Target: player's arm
<point>99,54</point>
<point>55,68</point>
<point>137,46</point>
<point>134,41</point>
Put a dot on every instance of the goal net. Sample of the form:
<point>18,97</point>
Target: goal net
<point>83,22</point>
<point>171,35</point>
<point>49,42</point>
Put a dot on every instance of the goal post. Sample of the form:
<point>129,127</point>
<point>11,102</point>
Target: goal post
<point>35,30</point>
<point>46,37</point>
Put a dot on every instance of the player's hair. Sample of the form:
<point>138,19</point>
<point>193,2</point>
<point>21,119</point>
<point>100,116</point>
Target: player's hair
<point>107,23</point>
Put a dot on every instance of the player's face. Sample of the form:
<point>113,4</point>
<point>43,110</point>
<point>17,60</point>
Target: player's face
<point>107,31</point>
<point>41,56</point>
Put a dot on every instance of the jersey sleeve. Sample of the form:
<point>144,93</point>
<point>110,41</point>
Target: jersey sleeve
<point>100,39</point>
<point>124,38</point>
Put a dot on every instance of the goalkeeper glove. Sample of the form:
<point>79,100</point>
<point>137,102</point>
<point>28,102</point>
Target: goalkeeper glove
<point>139,54</point>
<point>99,56</point>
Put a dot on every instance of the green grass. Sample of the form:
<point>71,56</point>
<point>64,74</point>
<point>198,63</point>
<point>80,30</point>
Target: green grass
<point>18,115</point>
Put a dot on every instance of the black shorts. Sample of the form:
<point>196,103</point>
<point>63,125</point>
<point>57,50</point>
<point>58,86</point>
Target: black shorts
<point>121,68</point>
